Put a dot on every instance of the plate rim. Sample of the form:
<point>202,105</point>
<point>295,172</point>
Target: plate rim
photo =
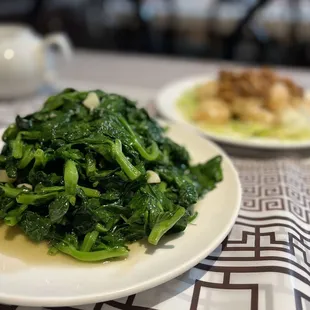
<point>255,143</point>
<point>150,283</point>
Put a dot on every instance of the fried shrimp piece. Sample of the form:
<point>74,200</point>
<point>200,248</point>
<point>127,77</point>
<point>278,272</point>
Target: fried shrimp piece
<point>207,90</point>
<point>278,98</point>
<point>304,105</point>
<point>215,111</point>
<point>252,110</point>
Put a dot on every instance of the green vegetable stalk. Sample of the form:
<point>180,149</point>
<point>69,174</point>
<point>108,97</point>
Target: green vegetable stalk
<point>92,256</point>
<point>71,177</point>
<point>124,163</point>
<point>163,226</point>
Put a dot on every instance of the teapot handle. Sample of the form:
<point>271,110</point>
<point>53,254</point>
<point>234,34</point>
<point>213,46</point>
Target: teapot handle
<point>63,44</point>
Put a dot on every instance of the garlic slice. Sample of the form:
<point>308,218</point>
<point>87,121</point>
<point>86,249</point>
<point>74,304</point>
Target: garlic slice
<point>5,178</point>
<point>24,185</point>
<point>91,101</point>
<point>152,177</point>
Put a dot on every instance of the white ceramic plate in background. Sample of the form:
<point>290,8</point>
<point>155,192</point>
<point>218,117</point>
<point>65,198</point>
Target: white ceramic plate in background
<point>65,284</point>
<point>166,103</point>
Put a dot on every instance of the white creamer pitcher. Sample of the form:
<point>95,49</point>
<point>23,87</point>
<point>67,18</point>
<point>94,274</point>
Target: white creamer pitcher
<point>26,59</point>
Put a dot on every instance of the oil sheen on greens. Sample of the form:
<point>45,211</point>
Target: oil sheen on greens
<point>79,178</point>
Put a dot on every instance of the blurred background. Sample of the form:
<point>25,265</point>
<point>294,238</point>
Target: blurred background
<point>253,31</point>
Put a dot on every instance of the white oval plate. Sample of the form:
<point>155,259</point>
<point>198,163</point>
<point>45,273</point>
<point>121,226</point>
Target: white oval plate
<point>166,103</point>
<point>69,283</point>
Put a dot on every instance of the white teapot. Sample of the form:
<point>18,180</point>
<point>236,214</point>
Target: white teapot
<point>26,59</point>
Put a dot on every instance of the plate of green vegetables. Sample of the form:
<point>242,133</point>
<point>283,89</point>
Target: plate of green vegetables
<point>99,201</point>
